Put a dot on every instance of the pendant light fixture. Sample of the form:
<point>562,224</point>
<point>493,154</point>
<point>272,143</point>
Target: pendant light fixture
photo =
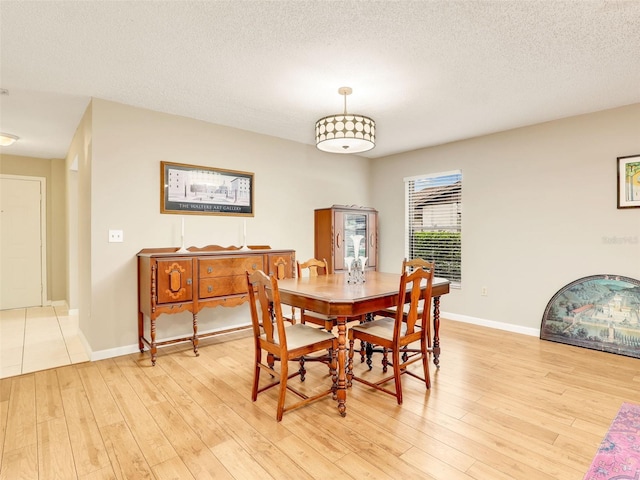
<point>345,132</point>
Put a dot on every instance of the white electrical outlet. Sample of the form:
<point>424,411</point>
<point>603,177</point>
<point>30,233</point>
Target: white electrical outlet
<point>116,236</point>
<point>484,291</point>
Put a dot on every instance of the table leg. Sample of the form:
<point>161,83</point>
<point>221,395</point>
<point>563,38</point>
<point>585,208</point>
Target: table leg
<point>154,348</point>
<point>342,357</point>
<point>436,331</point>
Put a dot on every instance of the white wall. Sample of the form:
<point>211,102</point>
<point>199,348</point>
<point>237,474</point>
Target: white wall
<point>539,211</point>
<point>539,208</point>
<point>78,172</point>
<point>127,146</point>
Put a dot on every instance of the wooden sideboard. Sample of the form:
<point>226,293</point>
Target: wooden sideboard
<point>171,282</point>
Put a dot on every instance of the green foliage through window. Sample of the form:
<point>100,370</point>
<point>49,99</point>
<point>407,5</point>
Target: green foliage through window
<point>443,248</point>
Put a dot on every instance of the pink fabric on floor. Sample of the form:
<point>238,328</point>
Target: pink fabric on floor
<point>618,457</point>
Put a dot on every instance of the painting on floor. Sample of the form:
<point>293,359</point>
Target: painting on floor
<point>601,312</point>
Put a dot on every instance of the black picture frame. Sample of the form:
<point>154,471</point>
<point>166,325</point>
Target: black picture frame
<point>200,190</point>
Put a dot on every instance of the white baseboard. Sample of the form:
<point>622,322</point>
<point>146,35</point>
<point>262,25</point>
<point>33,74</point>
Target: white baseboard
<point>509,327</point>
<point>85,344</point>
<point>127,349</point>
<point>113,352</point>
<point>102,354</point>
<point>73,311</point>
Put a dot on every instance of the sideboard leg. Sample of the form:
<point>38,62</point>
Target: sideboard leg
<point>195,335</point>
<point>140,331</point>
<point>154,348</point>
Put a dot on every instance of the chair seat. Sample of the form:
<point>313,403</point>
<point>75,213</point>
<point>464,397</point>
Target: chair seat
<point>382,328</point>
<point>300,335</point>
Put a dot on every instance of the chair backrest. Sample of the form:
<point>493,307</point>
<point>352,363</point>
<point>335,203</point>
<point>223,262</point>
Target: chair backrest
<point>267,308</point>
<point>411,265</point>
<point>314,266</point>
<point>420,283</point>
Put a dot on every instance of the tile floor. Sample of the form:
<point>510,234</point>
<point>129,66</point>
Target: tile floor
<point>38,338</point>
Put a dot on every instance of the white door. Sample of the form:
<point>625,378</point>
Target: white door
<point>21,241</point>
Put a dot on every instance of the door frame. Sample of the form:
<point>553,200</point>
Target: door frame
<point>44,297</point>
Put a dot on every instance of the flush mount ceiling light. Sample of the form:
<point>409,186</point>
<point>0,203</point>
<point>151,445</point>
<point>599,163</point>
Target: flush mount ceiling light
<point>7,139</point>
<point>345,132</point>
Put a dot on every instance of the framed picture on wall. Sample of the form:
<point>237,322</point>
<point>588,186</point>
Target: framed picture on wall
<point>629,182</point>
<point>205,190</point>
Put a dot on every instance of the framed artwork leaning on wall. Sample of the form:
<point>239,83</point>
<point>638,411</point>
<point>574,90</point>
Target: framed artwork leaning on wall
<point>600,312</point>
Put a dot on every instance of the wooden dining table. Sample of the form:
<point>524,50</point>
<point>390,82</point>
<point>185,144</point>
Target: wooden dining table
<point>333,295</point>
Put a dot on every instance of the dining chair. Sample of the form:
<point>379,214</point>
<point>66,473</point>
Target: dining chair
<point>407,266</point>
<point>280,268</point>
<point>314,268</point>
<point>410,266</point>
<point>398,333</point>
<point>283,343</point>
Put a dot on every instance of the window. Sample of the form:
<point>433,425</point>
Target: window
<point>434,222</point>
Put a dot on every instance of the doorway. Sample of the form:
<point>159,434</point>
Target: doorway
<point>22,241</point>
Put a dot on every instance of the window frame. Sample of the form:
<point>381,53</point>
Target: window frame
<point>453,252</point>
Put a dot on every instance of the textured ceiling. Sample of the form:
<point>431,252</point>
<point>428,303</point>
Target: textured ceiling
<point>428,72</point>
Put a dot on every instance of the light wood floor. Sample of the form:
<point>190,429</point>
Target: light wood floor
<point>502,406</point>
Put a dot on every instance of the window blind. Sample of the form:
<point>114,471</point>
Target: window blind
<point>433,208</point>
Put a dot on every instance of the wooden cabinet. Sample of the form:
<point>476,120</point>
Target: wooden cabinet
<point>172,282</point>
<point>334,228</point>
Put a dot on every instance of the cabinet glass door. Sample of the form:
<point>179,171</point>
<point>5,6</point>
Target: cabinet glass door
<point>355,224</point>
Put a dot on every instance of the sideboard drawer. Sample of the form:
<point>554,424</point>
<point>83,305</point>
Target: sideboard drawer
<point>223,286</point>
<point>223,267</point>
